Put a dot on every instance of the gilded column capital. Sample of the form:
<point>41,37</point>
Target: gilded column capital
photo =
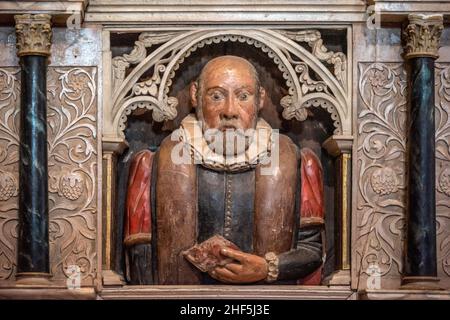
<point>422,35</point>
<point>34,34</point>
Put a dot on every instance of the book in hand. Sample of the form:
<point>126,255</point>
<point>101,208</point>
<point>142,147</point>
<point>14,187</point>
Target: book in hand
<point>206,255</point>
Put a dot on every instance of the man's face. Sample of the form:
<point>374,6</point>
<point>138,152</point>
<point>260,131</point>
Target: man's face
<point>228,97</point>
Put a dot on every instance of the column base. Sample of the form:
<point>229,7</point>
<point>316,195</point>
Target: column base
<point>339,278</point>
<point>112,279</point>
<point>33,279</point>
<point>420,283</point>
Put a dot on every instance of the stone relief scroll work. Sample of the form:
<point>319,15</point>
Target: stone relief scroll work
<point>442,113</point>
<point>146,94</point>
<point>314,76</point>
<point>380,209</point>
<point>72,141</point>
<point>314,39</point>
<point>9,169</point>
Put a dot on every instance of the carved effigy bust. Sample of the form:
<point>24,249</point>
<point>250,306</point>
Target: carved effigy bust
<point>225,199</point>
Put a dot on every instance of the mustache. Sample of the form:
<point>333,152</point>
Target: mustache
<point>229,124</point>
<point>227,132</point>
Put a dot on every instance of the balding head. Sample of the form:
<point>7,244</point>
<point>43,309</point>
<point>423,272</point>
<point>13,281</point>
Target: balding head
<point>222,63</point>
<point>228,94</point>
<point>228,97</point>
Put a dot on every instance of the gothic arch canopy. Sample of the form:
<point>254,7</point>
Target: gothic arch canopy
<point>330,91</point>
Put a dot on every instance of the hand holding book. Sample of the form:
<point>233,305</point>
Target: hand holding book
<point>206,256</point>
<point>224,261</point>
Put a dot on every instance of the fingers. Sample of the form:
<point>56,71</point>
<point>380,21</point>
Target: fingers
<point>234,267</point>
<point>235,254</point>
<point>224,275</point>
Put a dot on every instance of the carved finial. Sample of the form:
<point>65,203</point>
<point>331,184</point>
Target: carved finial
<point>34,34</point>
<point>422,35</point>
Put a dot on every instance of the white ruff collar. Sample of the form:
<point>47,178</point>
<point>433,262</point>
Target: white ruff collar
<point>258,151</point>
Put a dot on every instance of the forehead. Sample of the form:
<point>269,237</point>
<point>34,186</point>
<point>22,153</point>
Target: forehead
<point>228,73</point>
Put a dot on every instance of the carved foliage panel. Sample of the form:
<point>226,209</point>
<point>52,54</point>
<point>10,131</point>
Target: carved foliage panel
<point>381,167</point>
<point>9,169</point>
<point>443,170</point>
<point>380,208</point>
<point>72,142</point>
<point>72,160</point>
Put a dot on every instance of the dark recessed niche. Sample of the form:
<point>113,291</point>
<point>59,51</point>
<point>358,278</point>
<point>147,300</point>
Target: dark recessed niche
<point>143,132</point>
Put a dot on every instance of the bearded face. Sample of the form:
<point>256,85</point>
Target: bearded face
<point>227,99</point>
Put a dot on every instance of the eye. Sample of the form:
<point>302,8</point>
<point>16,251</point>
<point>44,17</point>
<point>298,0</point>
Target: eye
<point>243,96</point>
<point>216,96</point>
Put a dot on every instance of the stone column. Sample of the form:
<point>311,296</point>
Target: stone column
<point>421,49</point>
<point>340,147</point>
<point>33,34</point>
<point>111,149</point>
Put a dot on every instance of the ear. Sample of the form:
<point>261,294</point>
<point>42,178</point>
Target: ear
<point>193,92</point>
<point>262,97</point>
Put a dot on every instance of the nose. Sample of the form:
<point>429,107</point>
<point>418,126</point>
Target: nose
<point>230,109</point>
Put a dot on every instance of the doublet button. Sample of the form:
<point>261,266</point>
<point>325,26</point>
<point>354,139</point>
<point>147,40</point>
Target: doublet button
<point>228,210</point>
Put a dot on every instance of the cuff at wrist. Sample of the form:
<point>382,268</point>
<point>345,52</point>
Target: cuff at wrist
<point>272,265</point>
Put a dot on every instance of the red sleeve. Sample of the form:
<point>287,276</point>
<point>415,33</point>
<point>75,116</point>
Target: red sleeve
<point>312,203</point>
<point>138,204</point>
<point>312,197</point>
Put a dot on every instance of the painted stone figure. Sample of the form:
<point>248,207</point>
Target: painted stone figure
<point>225,214</point>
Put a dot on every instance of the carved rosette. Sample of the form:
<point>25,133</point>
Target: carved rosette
<point>384,181</point>
<point>8,186</point>
<point>444,182</point>
<point>34,34</point>
<point>422,36</point>
<point>71,186</point>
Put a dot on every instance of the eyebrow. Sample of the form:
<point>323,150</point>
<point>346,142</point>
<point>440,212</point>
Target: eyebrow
<point>249,88</point>
<point>246,87</point>
<point>215,88</point>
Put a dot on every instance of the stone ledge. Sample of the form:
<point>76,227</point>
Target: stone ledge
<point>288,292</point>
<point>60,10</point>
<point>397,11</point>
<point>284,292</point>
<point>46,293</point>
<point>404,295</point>
<point>178,12</point>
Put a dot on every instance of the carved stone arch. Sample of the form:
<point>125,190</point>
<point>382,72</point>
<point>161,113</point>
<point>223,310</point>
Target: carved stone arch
<point>327,103</point>
<point>293,61</point>
<point>309,74</point>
